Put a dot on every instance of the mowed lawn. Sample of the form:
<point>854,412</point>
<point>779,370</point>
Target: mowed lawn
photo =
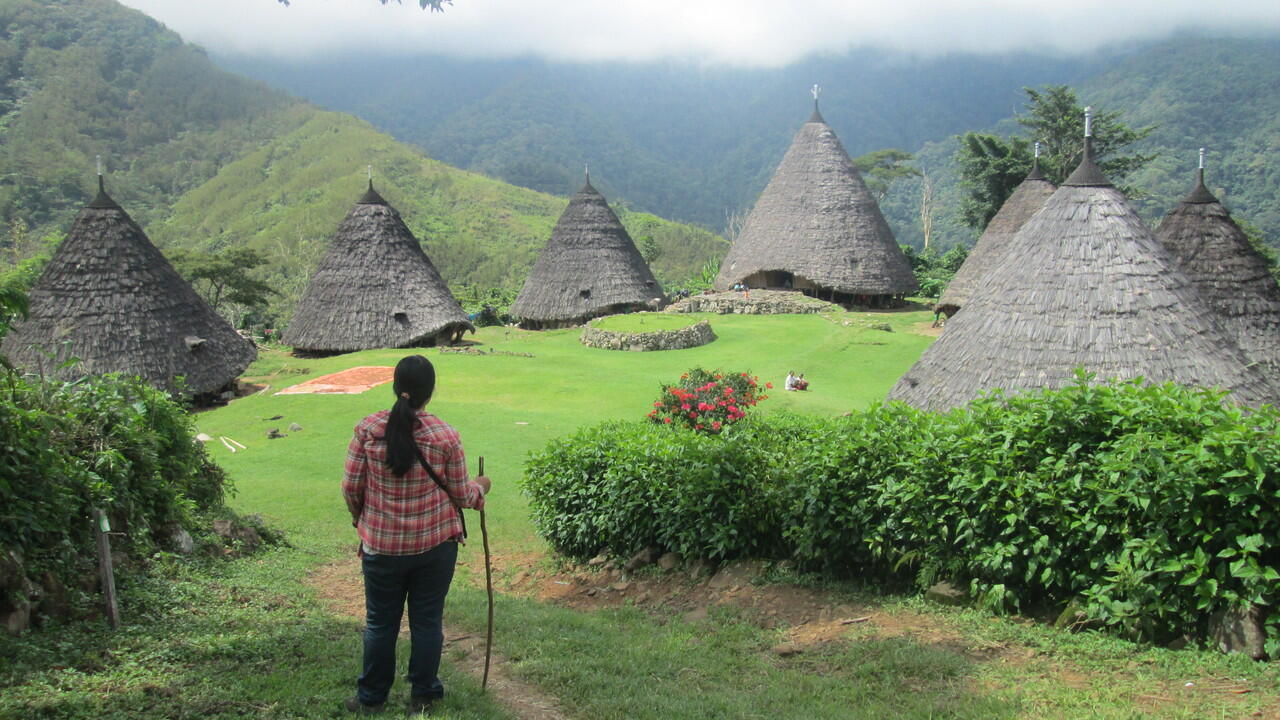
<point>527,389</point>
<point>255,638</point>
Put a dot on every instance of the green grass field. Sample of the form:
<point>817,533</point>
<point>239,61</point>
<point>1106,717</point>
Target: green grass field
<point>250,638</point>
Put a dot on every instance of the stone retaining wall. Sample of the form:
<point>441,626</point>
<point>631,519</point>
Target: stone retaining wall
<point>755,302</point>
<point>692,336</point>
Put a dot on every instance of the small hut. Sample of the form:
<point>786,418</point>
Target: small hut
<point>1232,277</point>
<point>590,267</point>
<point>109,298</point>
<point>1084,283</point>
<point>1025,201</point>
<point>816,228</point>
<point>374,288</point>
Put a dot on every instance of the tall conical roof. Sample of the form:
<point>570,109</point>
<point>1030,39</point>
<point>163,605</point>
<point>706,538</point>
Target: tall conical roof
<point>1025,201</point>
<point>1231,276</point>
<point>374,288</point>
<point>817,220</point>
<point>590,267</point>
<point>1083,283</point>
<point>109,298</point>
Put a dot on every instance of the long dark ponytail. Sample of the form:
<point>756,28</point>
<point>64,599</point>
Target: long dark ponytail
<point>415,380</point>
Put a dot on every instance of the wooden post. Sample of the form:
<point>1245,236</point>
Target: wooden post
<point>101,527</point>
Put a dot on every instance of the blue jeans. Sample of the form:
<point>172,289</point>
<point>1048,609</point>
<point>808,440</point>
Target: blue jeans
<point>388,580</point>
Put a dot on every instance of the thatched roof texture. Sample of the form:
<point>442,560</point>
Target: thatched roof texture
<point>1231,276</point>
<point>374,288</point>
<point>109,298</point>
<point>1084,283</point>
<point>590,267</point>
<point>1025,201</point>
<point>817,220</point>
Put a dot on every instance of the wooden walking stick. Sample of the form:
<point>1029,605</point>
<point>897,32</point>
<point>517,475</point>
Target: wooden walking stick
<point>488,583</point>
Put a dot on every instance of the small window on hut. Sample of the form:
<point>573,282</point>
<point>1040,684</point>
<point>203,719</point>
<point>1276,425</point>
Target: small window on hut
<point>585,294</point>
<point>400,315</point>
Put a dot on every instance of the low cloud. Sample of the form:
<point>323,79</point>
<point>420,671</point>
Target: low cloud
<point>753,33</point>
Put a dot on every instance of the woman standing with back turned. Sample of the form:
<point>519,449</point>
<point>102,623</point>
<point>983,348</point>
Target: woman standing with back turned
<point>405,485</point>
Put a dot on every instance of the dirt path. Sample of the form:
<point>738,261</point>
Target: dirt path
<point>804,619</point>
<point>339,585</point>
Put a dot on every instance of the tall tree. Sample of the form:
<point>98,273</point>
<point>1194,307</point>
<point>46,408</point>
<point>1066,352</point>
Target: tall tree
<point>880,168</point>
<point>992,166</point>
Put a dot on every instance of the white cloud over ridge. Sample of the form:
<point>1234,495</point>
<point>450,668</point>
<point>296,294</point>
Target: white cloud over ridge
<point>752,33</point>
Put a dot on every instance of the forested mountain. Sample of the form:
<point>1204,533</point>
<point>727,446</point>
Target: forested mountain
<point>677,139</point>
<point>80,78</point>
<point>205,159</point>
<point>699,143</point>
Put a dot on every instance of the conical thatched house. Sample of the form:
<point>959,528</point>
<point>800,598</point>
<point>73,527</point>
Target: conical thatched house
<point>1084,283</point>
<point>109,298</point>
<point>1233,279</point>
<point>590,267</point>
<point>374,288</point>
<point>1025,201</point>
<point>817,228</point>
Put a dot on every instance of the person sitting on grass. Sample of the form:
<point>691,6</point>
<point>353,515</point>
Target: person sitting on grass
<point>790,383</point>
<point>409,517</point>
<point>801,383</point>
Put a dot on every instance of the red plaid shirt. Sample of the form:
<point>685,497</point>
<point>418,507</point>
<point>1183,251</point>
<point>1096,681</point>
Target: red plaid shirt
<point>409,514</point>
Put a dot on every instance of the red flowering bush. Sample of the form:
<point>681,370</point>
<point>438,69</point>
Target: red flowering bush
<point>708,400</point>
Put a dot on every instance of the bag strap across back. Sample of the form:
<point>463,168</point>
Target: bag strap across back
<point>430,471</point>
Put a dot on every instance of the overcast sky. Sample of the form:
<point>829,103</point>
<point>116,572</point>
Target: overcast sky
<point>735,32</point>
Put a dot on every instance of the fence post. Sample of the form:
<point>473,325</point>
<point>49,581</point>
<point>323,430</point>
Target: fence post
<point>101,527</point>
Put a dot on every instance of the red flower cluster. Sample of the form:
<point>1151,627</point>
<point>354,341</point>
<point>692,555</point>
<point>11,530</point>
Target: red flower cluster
<point>707,401</point>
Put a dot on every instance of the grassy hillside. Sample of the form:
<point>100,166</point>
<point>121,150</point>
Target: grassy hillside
<point>80,78</point>
<point>205,159</point>
<point>287,198</point>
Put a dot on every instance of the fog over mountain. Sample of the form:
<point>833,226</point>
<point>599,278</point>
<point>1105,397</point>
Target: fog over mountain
<point>741,33</point>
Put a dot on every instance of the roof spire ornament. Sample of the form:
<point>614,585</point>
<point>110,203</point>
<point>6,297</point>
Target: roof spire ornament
<point>1035,173</point>
<point>102,200</point>
<point>1087,173</point>
<point>371,196</point>
<point>816,90</point>
<point>1200,193</point>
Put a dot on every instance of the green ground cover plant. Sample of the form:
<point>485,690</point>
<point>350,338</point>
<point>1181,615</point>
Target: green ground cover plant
<point>109,442</point>
<point>1152,507</point>
<point>249,638</point>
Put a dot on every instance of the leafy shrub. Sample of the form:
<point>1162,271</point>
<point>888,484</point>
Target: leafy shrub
<point>702,495</point>
<point>109,442</point>
<point>707,400</point>
<point>1151,507</point>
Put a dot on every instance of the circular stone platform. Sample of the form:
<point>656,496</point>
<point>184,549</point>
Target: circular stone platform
<point>753,302</point>
<point>692,336</point>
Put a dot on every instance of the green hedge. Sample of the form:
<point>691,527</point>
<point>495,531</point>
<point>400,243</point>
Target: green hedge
<point>1149,506</point>
<point>108,442</point>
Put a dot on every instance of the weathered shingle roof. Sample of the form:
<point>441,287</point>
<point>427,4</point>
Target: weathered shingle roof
<point>817,220</point>
<point>1083,283</point>
<point>589,267</point>
<point>374,288</point>
<point>109,298</point>
<point>1026,200</point>
<point>1230,275</point>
